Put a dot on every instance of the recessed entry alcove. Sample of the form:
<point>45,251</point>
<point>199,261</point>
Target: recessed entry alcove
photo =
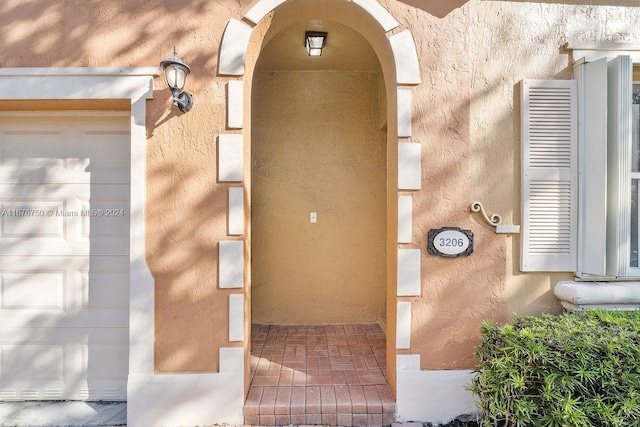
<point>318,147</point>
<point>318,232</point>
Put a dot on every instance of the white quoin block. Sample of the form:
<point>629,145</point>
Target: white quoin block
<point>234,48</point>
<point>379,13</point>
<point>236,211</point>
<point>408,362</point>
<point>235,104</point>
<point>231,264</point>
<point>409,272</point>
<point>231,359</point>
<point>409,166</point>
<point>230,158</point>
<point>236,317</point>
<point>405,214</point>
<point>404,113</point>
<point>406,58</point>
<point>403,325</point>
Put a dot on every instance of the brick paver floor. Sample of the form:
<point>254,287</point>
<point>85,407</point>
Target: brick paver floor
<point>319,374</point>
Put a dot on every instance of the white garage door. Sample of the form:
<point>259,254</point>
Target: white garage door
<point>64,256</point>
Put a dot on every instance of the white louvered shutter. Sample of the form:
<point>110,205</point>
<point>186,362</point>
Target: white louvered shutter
<point>619,125</point>
<point>549,175</point>
<point>592,158</point>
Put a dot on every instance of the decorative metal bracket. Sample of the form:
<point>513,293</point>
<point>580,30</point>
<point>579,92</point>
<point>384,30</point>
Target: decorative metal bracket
<point>495,220</point>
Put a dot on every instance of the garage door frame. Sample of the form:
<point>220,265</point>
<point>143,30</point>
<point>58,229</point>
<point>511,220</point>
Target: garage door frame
<point>152,399</point>
<point>135,85</point>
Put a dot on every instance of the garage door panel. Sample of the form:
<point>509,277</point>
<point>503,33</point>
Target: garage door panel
<point>76,152</point>
<point>64,219</point>
<point>42,362</point>
<point>54,363</point>
<point>87,292</point>
<point>41,291</point>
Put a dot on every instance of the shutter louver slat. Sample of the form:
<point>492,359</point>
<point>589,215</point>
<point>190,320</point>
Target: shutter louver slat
<point>549,175</point>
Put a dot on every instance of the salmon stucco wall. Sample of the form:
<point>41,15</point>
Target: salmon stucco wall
<point>472,55</point>
<point>185,206</point>
<point>511,41</point>
<point>316,147</point>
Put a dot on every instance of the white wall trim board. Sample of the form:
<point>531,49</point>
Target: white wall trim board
<point>77,83</point>
<point>432,396</point>
<point>167,400</point>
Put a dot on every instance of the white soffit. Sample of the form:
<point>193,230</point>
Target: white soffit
<point>406,57</point>
<point>409,272</point>
<point>260,9</point>
<point>379,13</point>
<point>234,47</point>
<point>230,158</point>
<point>235,104</point>
<point>231,264</point>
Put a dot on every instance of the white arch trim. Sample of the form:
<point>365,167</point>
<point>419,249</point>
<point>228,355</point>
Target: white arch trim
<point>235,40</point>
<point>379,13</point>
<point>233,50</point>
<point>260,9</point>
<point>412,382</point>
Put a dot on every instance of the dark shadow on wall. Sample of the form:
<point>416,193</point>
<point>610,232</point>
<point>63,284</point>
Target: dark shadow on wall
<point>437,8</point>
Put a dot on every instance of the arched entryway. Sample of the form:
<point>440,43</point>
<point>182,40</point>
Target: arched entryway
<point>242,46</point>
<point>318,232</point>
<point>318,158</point>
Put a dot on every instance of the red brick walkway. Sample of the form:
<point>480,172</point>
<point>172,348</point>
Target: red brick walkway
<point>329,374</point>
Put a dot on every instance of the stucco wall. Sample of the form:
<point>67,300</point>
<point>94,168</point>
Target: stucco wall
<point>466,118</point>
<point>316,147</point>
<point>511,41</point>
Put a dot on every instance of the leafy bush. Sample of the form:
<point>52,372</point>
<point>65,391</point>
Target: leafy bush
<point>577,369</point>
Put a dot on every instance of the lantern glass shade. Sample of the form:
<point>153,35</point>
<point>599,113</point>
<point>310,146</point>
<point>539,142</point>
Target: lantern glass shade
<point>175,76</point>
<point>314,42</point>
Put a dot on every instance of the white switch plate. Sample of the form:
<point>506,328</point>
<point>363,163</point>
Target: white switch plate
<point>313,217</point>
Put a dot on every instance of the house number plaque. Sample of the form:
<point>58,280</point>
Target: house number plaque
<point>450,242</point>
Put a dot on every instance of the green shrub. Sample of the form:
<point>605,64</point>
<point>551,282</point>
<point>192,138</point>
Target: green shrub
<point>577,369</point>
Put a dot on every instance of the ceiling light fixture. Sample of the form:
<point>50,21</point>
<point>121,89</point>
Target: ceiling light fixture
<point>314,41</point>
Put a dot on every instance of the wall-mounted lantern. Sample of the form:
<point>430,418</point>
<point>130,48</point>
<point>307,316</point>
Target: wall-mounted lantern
<point>314,41</point>
<point>175,75</point>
